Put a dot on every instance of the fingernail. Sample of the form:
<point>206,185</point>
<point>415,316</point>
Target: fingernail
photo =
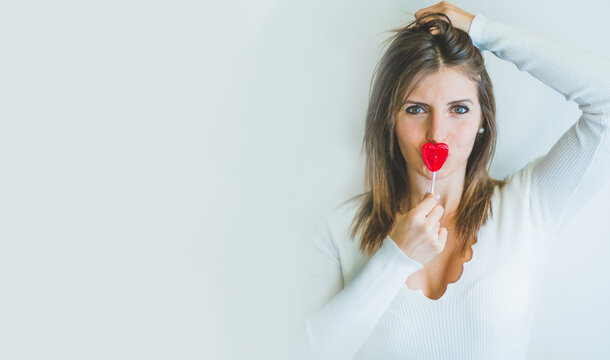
<point>438,197</point>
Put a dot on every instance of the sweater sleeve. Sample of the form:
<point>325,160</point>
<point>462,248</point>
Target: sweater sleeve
<point>342,317</point>
<point>558,184</point>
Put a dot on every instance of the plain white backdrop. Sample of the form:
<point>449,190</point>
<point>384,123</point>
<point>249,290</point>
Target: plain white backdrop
<point>160,160</point>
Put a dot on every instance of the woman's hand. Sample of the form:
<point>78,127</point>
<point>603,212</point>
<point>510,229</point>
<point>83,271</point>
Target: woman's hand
<point>418,232</point>
<point>459,18</point>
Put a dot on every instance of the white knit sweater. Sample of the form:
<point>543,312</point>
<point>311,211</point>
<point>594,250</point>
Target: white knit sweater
<point>360,305</point>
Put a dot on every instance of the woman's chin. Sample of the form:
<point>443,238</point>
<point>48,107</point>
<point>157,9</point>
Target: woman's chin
<point>426,173</point>
<point>439,174</point>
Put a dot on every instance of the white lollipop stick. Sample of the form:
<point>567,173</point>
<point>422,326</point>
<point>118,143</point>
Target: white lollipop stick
<point>432,185</point>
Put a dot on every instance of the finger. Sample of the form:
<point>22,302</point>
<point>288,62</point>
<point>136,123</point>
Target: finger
<point>420,12</point>
<point>433,8</point>
<point>438,196</point>
<point>436,227</point>
<point>426,205</point>
<point>442,236</point>
<point>435,215</point>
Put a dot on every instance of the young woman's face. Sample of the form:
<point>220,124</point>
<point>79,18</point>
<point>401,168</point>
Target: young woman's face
<point>443,108</point>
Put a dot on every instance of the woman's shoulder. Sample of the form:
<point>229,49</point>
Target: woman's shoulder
<point>519,180</point>
<point>514,195</point>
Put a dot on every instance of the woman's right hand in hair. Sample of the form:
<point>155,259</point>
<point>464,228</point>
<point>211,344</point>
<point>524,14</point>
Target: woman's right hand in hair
<point>418,232</point>
<point>460,18</point>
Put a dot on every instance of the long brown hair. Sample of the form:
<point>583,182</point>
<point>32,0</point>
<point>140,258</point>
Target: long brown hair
<point>413,53</point>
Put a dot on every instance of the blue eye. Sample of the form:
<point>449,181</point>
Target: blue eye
<point>464,109</point>
<point>410,109</point>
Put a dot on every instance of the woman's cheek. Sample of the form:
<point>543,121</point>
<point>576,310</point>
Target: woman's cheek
<point>407,134</point>
<point>466,133</point>
<point>463,141</point>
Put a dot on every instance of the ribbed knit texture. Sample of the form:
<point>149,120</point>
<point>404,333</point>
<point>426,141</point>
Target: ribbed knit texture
<point>360,306</point>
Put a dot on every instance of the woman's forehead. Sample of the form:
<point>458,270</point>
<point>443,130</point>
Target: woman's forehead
<point>447,81</point>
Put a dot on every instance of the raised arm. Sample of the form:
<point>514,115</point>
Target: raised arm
<point>559,183</point>
<point>341,318</point>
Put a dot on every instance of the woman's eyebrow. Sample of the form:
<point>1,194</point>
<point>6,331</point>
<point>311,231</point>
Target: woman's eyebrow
<point>449,103</point>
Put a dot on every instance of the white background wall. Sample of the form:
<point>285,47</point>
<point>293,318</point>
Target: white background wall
<point>159,161</point>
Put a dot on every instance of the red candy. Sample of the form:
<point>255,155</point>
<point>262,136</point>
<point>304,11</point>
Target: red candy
<point>434,155</point>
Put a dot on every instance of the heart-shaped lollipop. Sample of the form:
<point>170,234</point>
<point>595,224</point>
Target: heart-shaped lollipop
<point>434,157</point>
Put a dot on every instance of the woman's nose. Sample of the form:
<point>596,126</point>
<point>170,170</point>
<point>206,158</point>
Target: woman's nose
<point>437,130</point>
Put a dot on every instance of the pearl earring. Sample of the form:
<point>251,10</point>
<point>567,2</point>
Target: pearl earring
<point>481,130</point>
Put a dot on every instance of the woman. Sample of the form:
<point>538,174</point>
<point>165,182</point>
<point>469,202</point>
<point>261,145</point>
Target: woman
<point>453,277</point>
